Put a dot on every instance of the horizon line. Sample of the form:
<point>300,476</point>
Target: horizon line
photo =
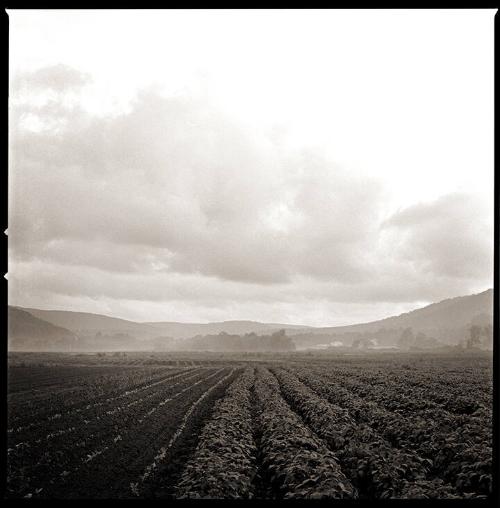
<point>246,320</point>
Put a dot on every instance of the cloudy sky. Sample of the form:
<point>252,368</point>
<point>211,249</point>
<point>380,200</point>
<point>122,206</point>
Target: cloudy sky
<point>309,167</point>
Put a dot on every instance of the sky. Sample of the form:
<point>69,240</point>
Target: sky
<point>306,167</point>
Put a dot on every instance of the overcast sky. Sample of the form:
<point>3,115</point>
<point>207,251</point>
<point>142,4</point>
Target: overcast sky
<point>309,167</point>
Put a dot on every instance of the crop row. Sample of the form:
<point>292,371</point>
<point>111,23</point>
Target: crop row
<point>349,428</point>
<point>415,395</point>
<point>457,390</point>
<point>223,465</point>
<point>92,411</point>
<point>33,411</point>
<point>163,452</point>
<point>60,458</point>
<point>298,464</point>
<point>375,467</point>
<point>454,445</point>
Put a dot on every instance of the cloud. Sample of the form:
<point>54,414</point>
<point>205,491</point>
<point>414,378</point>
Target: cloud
<point>174,202</point>
<point>56,78</point>
<point>175,175</point>
<point>451,236</point>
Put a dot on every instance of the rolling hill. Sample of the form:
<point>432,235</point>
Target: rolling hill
<point>451,313</point>
<point>446,322</point>
<point>29,333</point>
<point>88,324</point>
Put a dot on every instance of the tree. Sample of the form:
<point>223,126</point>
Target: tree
<point>475,336</point>
<point>488,336</point>
<point>407,338</point>
<point>279,333</point>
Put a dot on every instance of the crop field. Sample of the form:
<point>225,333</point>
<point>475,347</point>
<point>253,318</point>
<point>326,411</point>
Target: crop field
<point>262,427</point>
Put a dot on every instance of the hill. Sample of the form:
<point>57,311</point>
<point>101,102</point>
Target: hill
<point>451,313</point>
<point>84,323</point>
<point>446,322</point>
<point>439,324</point>
<point>29,333</point>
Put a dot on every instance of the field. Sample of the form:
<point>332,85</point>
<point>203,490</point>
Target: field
<point>254,426</point>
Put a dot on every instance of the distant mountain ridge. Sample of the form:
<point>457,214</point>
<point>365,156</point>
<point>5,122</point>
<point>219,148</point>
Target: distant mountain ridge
<point>29,333</point>
<point>89,322</point>
<point>456,311</point>
<point>85,322</point>
<point>446,321</point>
